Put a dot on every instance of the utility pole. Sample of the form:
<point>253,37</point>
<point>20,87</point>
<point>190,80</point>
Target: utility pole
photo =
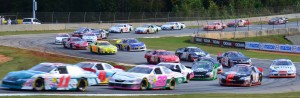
<point>34,8</point>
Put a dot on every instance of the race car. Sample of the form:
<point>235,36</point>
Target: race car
<point>142,77</point>
<point>214,61</point>
<point>131,44</point>
<point>231,58</point>
<point>146,29</point>
<point>178,67</point>
<point>103,47</point>
<point>50,76</point>
<point>242,75</point>
<point>80,31</point>
<point>75,43</point>
<point>190,53</point>
<point>158,56</point>
<point>204,70</point>
<point>59,37</point>
<point>89,37</point>
<point>120,28</point>
<point>238,23</point>
<point>214,26</point>
<point>282,68</point>
<point>173,26</point>
<point>101,34</point>
<point>278,20</point>
<point>104,71</point>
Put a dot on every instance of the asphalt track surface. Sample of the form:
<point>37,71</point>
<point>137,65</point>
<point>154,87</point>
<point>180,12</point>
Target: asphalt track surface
<point>44,42</point>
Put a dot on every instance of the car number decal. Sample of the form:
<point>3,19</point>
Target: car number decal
<point>161,81</point>
<point>64,81</point>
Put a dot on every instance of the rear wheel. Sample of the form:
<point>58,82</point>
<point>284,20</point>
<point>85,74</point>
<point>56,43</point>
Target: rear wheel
<point>128,48</point>
<point>158,60</point>
<point>38,84</point>
<point>172,84</point>
<point>250,83</point>
<point>148,60</point>
<point>64,45</point>
<point>99,51</point>
<point>121,31</point>
<point>187,78</point>
<point>82,85</point>
<point>71,46</point>
<point>91,49</point>
<point>144,84</point>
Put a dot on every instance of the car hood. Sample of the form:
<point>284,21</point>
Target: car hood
<point>240,58</point>
<point>282,67</point>
<point>236,73</point>
<point>60,38</point>
<point>201,70</point>
<point>137,44</point>
<point>128,76</point>
<point>25,74</point>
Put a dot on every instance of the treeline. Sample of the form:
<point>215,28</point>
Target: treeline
<point>211,7</point>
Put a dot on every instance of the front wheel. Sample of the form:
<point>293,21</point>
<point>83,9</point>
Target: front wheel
<point>82,85</point>
<point>187,78</point>
<point>38,84</point>
<point>71,46</point>
<point>128,48</point>
<point>144,84</point>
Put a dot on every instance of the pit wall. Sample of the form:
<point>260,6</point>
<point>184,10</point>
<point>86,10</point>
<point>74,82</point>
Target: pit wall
<point>66,26</point>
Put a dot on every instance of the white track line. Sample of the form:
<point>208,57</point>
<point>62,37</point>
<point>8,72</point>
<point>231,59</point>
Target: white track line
<point>33,94</point>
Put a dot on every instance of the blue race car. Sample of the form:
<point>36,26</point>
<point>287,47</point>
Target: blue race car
<point>50,76</point>
<point>131,44</point>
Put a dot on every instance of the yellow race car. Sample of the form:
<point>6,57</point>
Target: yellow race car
<point>103,47</point>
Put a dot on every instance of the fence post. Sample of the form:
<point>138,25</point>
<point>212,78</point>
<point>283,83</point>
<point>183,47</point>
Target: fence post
<point>128,17</point>
<point>115,17</point>
<point>99,17</point>
<point>84,17</point>
<point>143,16</point>
<point>155,17</point>
<point>17,15</point>
<point>168,16</point>
<point>69,17</point>
<point>52,17</point>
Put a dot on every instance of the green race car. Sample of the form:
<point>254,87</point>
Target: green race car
<point>204,70</point>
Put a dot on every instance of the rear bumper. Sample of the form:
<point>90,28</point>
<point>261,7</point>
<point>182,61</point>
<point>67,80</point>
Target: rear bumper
<point>124,86</point>
<point>282,75</point>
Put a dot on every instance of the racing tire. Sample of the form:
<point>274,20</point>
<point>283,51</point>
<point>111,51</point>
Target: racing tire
<point>144,84</point>
<point>148,32</point>
<point>172,28</point>
<point>38,84</point>
<point>64,45</point>
<point>158,60</point>
<point>172,84</point>
<point>91,50</point>
<point>181,27</point>
<point>71,46</point>
<point>128,48</point>
<point>99,51</point>
<point>82,85</point>
<point>187,78</point>
<point>148,60</point>
<point>251,80</point>
<point>121,31</point>
<point>260,79</point>
<point>130,29</point>
<point>215,28</point>
<point>156,31</point>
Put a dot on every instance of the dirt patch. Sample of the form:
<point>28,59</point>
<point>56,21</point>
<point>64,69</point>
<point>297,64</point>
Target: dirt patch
<point>4,58</point>
<point>282,53</point>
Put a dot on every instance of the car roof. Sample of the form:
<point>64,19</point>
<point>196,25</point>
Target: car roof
<point>169,63</point>
<point>148,66</point>
<point>55,64</point>
<point>92,62</point>
<point>191,47</point>
<point>160,50</point>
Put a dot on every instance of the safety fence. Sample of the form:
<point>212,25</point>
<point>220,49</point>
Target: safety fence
<point>249,45</point>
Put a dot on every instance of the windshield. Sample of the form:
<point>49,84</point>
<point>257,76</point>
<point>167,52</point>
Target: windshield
<point>283,63</point>
<point>237,54</point>
<point>143,70</point>
<point>62,35</point>
<point>80,29</point>
<point>196,50</point>
<point>240,69</point>
<point>118,25</point>
<point>203,65</point>
<point>76,39</point>
<point>170,66</point>
<point>164,53</point>
<point>133,41</point>
<point>85,65</point>
<point>27,20</point>
<point>90,34</point>
<point>103,43</point>
<point>43,68</point>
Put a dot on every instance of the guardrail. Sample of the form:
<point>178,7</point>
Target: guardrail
<point>250,45</point>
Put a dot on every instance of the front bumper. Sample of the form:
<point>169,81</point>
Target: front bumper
<point>80,47</point>
<point>234,82</point>
<point>108,51</point>
<point>287,75</point>
<point>138,48</point>
<point>124,86</point>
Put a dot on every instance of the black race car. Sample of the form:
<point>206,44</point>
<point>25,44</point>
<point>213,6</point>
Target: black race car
<point>231,58</point>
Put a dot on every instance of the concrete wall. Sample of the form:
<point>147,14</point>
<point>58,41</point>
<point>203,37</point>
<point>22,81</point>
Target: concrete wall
<point>29,27</point>
<point>243,34</point>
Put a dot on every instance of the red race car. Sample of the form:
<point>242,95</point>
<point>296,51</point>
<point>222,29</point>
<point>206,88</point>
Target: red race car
<point>75,43</point>
<point>214,26</point>
<point>158,56</point>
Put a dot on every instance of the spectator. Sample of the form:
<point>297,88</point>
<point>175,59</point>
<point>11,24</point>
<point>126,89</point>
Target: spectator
<point>9,21</point>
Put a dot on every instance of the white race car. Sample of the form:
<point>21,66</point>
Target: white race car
<point>59,38</point>
<point>142,77</point>
<point>101,34</point>
<point>120,28</point>
<point>147,28</point>
<point>173,26</point>
<point>282,68</point>
<point>90,37</point>
<point>178,67</point>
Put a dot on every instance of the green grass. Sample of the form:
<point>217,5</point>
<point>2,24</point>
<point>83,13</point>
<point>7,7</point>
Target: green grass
<point>33,32</point>
<point>173,43</point>
<point>278,39</point>
<point>25,59</point>
<point>205,95</point>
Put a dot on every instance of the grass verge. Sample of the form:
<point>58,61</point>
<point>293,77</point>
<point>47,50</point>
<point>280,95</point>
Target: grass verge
<point>34,32</point>
<point>173,43</point>
<point>278,39</point>
<point>25,59</point>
